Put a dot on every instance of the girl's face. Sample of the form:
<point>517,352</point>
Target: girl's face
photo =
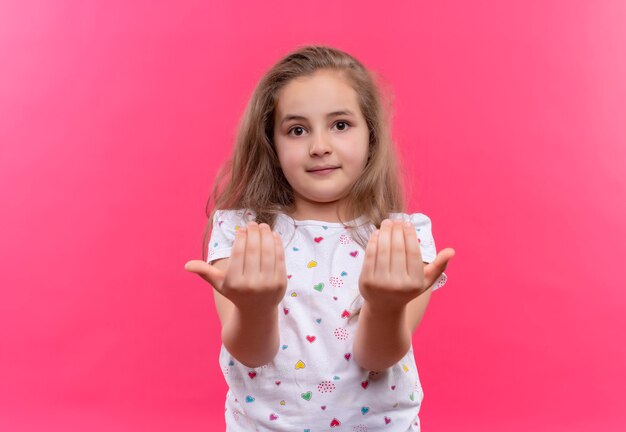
<point>317,124</point>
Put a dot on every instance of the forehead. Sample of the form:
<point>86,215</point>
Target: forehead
<point>318,94</point>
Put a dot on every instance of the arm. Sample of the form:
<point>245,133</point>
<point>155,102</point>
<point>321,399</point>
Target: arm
<point>392,280</point>
<point>247,297</point>
<point>252,337</point>
<point>416,308</point>
<point>382,337</point>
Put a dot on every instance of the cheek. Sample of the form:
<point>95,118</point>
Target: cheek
<point>359,155</point>
<point>290,161</point>
<point>356,159</point>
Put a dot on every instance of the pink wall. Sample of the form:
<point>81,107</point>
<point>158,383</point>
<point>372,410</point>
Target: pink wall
<point>115,115</point>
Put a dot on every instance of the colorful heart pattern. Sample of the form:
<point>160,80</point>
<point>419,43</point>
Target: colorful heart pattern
<point>326,387</point>
<point>336,281</point>
<point>341,333</point>
<point>336,315</point>
<point>344,239</point>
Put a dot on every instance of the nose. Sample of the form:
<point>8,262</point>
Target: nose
<point>320,145</point>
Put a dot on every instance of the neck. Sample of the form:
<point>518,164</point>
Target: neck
<point>326,212</point>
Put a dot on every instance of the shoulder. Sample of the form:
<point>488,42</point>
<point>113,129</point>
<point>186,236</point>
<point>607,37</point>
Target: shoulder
<point>417,219</point>
<point>232,217</point>
<point>226,223</point>
<point>423,226</point>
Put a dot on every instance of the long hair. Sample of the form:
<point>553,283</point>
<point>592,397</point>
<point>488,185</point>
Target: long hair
<point>252,178</point>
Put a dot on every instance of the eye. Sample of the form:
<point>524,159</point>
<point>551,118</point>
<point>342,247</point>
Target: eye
<point>343,123</point>
<point>301,129</point>
<point>295,128</point>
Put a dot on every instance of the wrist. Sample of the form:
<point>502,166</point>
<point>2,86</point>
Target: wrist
<point>258,313</point>
<point>383,310</point>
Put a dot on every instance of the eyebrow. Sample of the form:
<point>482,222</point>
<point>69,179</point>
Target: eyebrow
<point>332,114</point>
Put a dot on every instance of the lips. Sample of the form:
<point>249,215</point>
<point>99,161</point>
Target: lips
<point>322,168</point>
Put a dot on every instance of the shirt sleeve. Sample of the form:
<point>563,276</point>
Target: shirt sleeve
<point>423,226</point>
<point>225,226</point>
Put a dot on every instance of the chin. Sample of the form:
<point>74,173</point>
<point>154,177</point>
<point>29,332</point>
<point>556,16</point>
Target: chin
<point>325,199</point>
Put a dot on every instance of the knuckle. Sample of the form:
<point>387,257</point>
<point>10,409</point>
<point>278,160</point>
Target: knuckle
<point>266,286</point>
<point>233,285</point>
<point>396,285</point>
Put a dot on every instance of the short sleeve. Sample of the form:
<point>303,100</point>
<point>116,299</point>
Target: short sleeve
<point>423,226</point>
<point>225,226</point>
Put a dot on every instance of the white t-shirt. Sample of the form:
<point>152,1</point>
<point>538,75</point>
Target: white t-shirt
<point>313,384</point>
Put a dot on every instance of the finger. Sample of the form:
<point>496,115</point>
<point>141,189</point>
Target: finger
<point>383,249</point>
<point>415,266</point>
<point>433,270</point>
<point>398,252</point>
<point>369,262</point>
<point>252,262</point>
<point>237,254</point>
<point>280,270</point>
<point>211,274</point>
<point>268,254</point>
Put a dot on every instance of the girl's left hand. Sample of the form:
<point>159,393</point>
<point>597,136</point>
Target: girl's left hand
<point>393,273</point>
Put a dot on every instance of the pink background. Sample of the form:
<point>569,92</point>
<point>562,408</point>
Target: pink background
<point>114,117</point>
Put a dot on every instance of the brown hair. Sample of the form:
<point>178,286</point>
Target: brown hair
<point>252,178</point>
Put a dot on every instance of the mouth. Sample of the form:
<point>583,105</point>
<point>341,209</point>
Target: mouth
<point>323,169</point>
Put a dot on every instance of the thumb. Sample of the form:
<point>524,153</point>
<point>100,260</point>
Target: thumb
<point>433,270</point>
<point>209,273</point>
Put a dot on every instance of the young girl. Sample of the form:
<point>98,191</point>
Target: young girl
<point>320,278</point>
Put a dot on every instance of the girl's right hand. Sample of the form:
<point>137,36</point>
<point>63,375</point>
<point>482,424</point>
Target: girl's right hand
<point>256,277</point>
